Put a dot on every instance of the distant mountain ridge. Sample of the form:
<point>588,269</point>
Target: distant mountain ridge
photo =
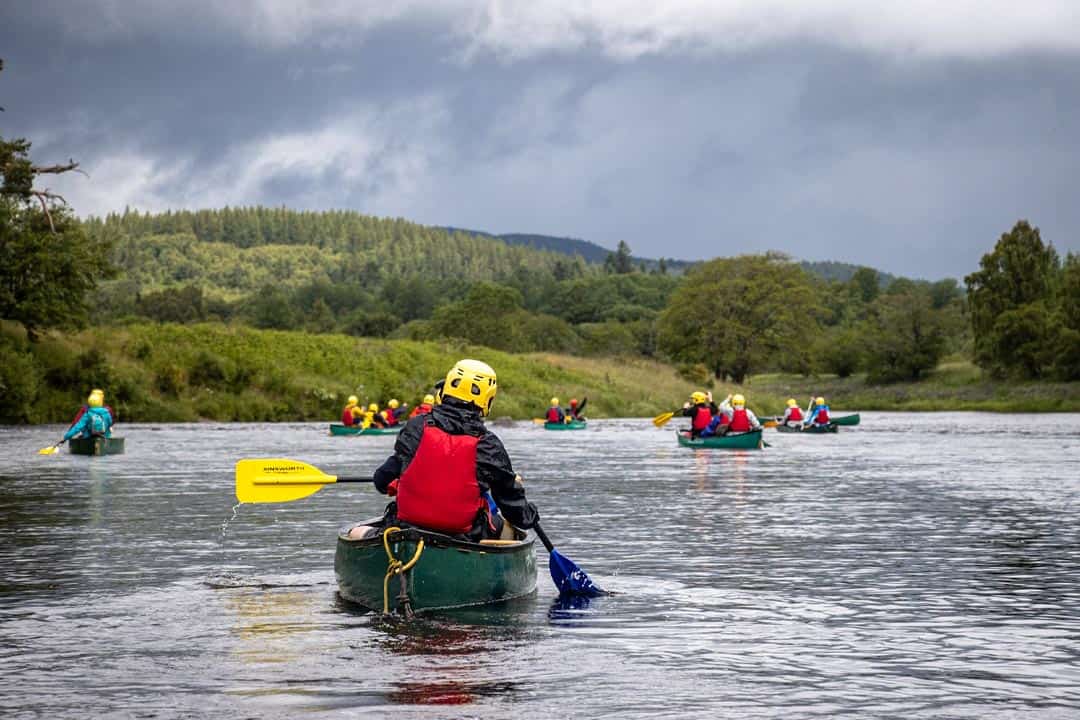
<point>594,253</point>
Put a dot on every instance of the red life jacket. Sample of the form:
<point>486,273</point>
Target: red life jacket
<point>553,415</point>
<point>438,490</point>
<point>389,417</point>
<point>739,421</point>
<point>702,418</point>
<point>794,414</point>
<point>421,409</point>
<point>347,416</point>
<point>822,417</point>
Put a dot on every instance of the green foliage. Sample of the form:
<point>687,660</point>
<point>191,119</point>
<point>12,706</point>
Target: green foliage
<point>370,324</point>
<point>735,315</point>
<point>45,276</point>
<point>175,304</point>
<point>20,379</point>
<point>866,284</point>
<point>840,351</point>
<point>1015,286</point>
<point>905,337</point>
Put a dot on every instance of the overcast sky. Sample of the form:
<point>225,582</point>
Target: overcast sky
<point>905,135</point>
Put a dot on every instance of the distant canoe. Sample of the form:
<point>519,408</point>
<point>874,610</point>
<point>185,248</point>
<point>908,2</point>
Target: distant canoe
<point>339,429</point>
<point>96,446</point>
<point>846,419</point>
<point>808,429</point>
<point>575,425</point>
<point>742,441</point>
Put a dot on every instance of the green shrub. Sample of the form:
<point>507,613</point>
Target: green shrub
<point>20,379</point>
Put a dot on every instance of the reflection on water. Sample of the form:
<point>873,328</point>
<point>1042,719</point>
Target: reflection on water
<point>918,565</point>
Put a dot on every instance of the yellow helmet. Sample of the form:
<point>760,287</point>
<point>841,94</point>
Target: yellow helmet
<point>373,407</point>
<point>820,401</point>
<point>429,399</point>
<point>554,402</point>
<point>791,403</point>
<point>472,381</point>
<point>697,397</point>
<point>96,399</point>
<point>393,404</point>
<point>353,400</point>
<point>738,400</point>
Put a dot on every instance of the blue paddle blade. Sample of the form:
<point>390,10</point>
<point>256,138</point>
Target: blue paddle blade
<point>569,578</point>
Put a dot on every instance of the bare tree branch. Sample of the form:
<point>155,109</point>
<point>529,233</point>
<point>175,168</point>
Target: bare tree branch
<point>43,196</point>
<point>55,169</point>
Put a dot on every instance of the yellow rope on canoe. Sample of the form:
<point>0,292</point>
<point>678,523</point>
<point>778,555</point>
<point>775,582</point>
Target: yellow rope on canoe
<point>395,566</point>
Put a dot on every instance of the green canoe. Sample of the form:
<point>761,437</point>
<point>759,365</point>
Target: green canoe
<point>846,419</point>
<point>575,425</point>
<point>808,429</point>
<point>96,446</point>
<point>449,573</point>
<point>743,441</point>
<point>339,429</point>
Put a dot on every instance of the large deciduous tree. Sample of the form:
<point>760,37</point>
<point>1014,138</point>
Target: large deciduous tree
<point>47,263</point>
<point>738,315</point>
<point>1012,300</point>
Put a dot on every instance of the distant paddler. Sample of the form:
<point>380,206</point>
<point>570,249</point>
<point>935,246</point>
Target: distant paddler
<point>793,414</point>
<point>819,415</point>
<point>733,419</point>
<point>555,414</point>
<point>94,419</point>
<point>700,409</point>
<point>423,408</point>
<point>574,412</point>
<point>352,414</point>
<point>372,417</point>
<point>392,414</point>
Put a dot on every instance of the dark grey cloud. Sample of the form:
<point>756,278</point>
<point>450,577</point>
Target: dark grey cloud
<point>852,148</point>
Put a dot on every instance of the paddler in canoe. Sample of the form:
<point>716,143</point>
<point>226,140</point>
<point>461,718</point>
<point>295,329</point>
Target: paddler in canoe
<point>446,461</point>
<point>555,414</point>
<point>819,413</point>
<point>424,407</point>
<point>352,414</point>
<point>793,416</point>
<point>573,413</point>
<point>700,409</point>
<point>733,419</point>
<point>373,418</point>
<point>391,416</point>
<point>94,419</point>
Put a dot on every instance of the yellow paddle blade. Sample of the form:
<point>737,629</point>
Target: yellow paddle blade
<point>539,421</point>
<point>49,450</point>
<point>661,420</point>
<point>770,424</point>
<point>277,480</point>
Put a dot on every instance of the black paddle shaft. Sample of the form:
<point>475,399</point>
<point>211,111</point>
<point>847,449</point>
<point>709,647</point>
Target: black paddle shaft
<point>355,479</point>
<point>543,537</point>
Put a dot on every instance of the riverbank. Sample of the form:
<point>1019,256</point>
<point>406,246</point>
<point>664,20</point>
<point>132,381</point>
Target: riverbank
<point>210,371</point>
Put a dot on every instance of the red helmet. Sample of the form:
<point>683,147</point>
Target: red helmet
<point>573,402</point>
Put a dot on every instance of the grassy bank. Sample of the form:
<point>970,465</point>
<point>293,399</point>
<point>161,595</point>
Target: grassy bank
<point>163,373</point>
<point>176,373</point>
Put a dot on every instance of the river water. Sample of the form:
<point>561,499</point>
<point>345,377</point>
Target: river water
<point>916,566</point>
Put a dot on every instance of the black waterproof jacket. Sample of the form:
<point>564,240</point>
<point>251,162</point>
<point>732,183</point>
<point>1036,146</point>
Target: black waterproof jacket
<point>494,472</point>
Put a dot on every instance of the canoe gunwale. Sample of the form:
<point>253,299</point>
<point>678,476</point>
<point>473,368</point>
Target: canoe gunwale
<point>431,538</point>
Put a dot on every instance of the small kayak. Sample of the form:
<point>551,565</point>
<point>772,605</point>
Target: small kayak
<point>96,446</point>
<point>574,425</point>
<point>808,429</point>
<point>448,572</point>
<point>852,419</point>
<point>742,441</point>
<point>339,429</point>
